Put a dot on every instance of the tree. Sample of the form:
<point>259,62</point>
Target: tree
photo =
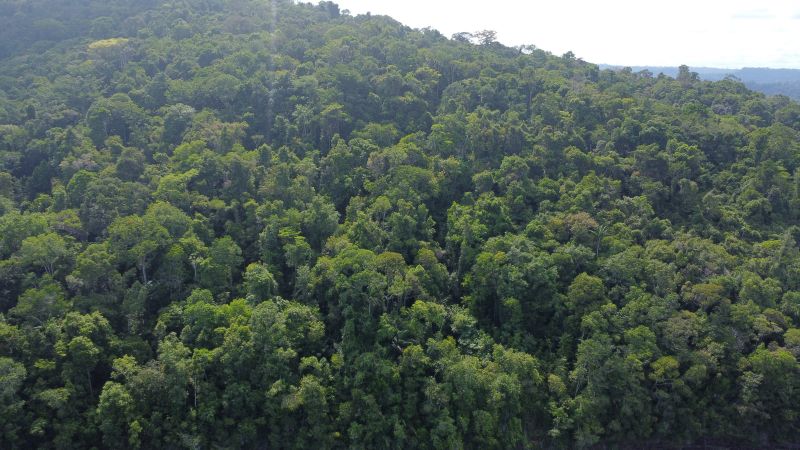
<point>115,410</point>
<point>485,37</point>
<point>94,268</point>
<point>320,221</point>
<point>39,304</point>
<point>135,239</point>
<point>769,389</point>
<point>12,377</point>
<point>224,258</point>
<point>177,119</point>
<point>259,282</point>
<point>44,250</point>
<point>130,164</point>
<point>117,115</point>
<point>585,294</point>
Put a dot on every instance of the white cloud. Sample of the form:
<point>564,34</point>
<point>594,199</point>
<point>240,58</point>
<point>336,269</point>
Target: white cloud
<point>724,33</point>
<point>761,13</point>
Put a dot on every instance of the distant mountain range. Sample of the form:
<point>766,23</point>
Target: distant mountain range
<point>769,81</point>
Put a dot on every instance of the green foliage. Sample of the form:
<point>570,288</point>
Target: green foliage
<point>269,224</point>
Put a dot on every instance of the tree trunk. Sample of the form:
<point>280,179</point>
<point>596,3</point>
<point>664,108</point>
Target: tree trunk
<point>89,379</point>
<point>144,270</point>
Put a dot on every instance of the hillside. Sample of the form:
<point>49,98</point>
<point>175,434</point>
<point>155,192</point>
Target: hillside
<point>261,224</point>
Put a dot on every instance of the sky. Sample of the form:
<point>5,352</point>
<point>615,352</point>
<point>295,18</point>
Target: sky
<point>699,33</point>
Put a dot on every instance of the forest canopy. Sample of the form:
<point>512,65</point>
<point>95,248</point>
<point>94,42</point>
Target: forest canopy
<point>264,224</point>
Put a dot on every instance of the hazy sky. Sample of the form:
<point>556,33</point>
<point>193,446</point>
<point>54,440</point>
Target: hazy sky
<point>716,33</point>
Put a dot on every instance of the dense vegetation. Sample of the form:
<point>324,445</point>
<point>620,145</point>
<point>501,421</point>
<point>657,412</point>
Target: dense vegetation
<point>251,223</point>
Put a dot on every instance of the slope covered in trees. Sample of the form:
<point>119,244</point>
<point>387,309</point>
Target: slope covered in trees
<point>256,224</point>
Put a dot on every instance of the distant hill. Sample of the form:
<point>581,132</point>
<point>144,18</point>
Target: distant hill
<point>769,81</point>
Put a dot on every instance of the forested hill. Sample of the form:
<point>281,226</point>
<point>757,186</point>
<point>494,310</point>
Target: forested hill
<point>260,224</point>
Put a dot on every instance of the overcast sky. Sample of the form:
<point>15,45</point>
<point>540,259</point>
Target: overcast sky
<point>713,33</point>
